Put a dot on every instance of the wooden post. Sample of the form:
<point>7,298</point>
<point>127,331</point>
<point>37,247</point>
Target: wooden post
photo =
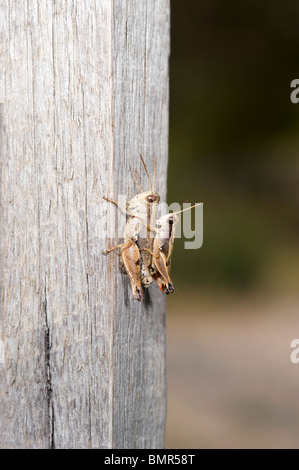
<point>85,91</point>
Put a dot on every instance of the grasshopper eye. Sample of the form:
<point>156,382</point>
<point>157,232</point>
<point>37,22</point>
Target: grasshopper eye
<point>170,220</point>
<point>151,198</point>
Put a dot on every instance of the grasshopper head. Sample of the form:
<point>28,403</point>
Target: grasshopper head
<point>144,199</point>
<point>167,219</point>
<point>172,218</point>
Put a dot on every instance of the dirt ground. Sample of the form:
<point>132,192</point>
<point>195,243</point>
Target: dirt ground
<point>231,383</point>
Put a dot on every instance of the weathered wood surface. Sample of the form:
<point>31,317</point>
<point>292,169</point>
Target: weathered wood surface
<point>86,91</point>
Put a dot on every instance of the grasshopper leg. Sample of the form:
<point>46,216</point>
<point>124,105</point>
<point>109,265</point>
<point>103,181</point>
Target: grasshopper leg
<point>162,276</point>
<point>116,203</point>
<point>105,252</point>
<point>130,256</point>
<point>149,251</point>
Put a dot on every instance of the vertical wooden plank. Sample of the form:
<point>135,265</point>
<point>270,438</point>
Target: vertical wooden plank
<point>86,90</point>
<point>140,78</point>
<point>25,414</point>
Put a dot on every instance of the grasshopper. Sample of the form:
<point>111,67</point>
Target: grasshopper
<point>147,258</point>
<point>137,260</point>
<point>162,250</point>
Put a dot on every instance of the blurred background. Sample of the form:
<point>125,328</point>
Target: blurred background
<point>234,142</point>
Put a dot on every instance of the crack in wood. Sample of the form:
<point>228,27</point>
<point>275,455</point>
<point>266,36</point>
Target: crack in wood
<point>49,389</point>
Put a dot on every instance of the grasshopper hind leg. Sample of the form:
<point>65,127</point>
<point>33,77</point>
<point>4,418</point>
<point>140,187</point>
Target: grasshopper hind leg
<point>165,287</point>
<point>130,256</point>
<point>138,294</point>
<point>160,272</point>
<point>130,259</point>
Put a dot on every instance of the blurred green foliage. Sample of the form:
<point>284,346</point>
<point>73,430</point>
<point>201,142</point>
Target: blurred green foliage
<point>234,140</point>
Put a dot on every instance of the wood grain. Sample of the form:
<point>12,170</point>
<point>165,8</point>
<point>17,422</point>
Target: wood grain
<point>85,91</point>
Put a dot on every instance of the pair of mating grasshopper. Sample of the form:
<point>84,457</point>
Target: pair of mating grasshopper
<point>147,258</point>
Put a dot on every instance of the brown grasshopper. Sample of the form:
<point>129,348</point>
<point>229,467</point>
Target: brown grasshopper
<point>162,250</point>
<point>142,211</point>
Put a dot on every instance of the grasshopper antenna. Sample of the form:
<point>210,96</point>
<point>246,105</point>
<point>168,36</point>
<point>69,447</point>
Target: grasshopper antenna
<point>136,182</point>
<point>135,179</point>
<point>188,208</point>
<point>154,180</point>
<point>149,181</point>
